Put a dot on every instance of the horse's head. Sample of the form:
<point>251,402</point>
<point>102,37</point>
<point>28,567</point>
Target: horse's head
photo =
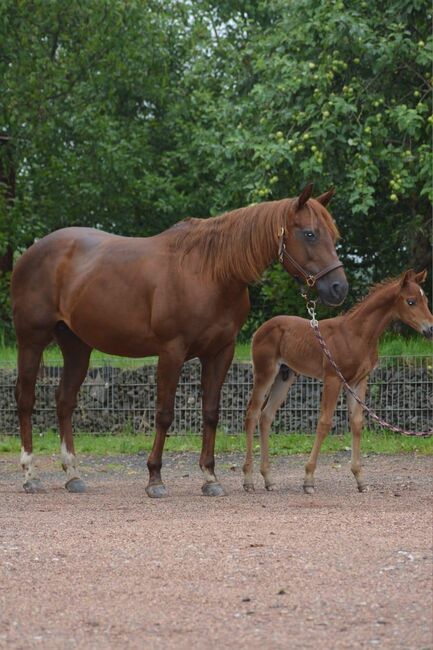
<point>411,306</point>
<point>311,238</point>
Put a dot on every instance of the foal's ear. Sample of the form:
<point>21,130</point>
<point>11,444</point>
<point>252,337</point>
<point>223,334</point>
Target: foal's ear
<point>304,196</point>
<point>421,276</point>
<point>326,197</point>
<point>408,276</point>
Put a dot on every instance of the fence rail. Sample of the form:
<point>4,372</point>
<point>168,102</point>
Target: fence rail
<point>123,398</point>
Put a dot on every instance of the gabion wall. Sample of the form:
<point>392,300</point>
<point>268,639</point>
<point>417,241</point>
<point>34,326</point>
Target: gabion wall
<point>115,399</point>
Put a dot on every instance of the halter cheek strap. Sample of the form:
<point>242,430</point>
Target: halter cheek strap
<point>309,278</point>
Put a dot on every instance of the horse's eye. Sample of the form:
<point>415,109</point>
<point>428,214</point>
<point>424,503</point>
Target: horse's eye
<point>411,302</point>
<point>309,235</point>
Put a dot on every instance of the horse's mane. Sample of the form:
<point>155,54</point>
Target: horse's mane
<point>379,287</point>
<point>240,244</point>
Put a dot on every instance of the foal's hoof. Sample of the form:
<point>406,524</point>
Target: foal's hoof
<point>249,487</point>
<point>212,490</point>
<point>156,491</point>
<point>362,487</point>
<point>271,487</point>
<point>309,489</point>
<point>76,485</point>
<point>34,486</point>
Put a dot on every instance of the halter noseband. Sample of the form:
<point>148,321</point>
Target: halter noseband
<point>309,278</point>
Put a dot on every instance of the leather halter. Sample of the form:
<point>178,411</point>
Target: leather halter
<point>309,278</point>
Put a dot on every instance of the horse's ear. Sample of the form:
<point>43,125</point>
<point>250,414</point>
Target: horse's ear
<point>421,276</point>
<point>407,276</point>
<point>304,196</point>
<point>326,197</point>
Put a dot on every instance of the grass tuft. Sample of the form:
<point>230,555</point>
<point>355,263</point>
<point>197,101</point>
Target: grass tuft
<point>385,442</point>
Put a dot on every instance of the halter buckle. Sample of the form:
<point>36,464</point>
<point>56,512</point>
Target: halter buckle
<point>310,280</point>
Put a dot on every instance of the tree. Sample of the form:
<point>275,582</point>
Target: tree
<point>131,116</point>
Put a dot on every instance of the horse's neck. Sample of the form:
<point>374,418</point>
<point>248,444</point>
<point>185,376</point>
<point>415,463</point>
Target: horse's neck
<point>373,316</point>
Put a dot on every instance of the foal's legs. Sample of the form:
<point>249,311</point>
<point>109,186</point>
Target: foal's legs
<point>76,356</point>
<point>356,421</point>
<point>263,379</point>
<point>331,391</point>
<point>277,396</point>
<point>213,372</point>
<point>169,367</point>
<point>29,357</point>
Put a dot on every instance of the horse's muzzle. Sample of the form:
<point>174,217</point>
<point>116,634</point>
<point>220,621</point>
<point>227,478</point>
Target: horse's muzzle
<point>333,288</point>
<point>427,330</point>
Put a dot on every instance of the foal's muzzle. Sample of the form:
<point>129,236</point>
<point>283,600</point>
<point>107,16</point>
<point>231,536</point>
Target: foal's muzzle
<point>427,330</point>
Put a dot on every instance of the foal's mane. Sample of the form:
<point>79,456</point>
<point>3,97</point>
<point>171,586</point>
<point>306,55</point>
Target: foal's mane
<point>387,285</point>
<point>240,244</point>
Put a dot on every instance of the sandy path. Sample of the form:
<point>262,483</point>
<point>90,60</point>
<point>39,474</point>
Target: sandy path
<point>115,569</point>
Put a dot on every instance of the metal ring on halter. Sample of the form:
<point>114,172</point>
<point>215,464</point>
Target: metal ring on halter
<point>310,280</point>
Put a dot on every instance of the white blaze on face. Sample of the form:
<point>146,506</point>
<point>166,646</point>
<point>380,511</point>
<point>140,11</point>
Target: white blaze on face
<point>28,465</point>
<point>68,462</point>
<point>421,291</point>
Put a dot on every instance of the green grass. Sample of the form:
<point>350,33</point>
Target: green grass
<point>389,346</point>
<point>383,443</point>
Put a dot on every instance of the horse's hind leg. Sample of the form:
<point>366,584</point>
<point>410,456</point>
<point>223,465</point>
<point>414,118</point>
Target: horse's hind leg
<point>29,358</point>
<point>356,421</point>
<point>282,383</point>
<point>76,356</point>
<point>263,378</point>
<point>331,391</point>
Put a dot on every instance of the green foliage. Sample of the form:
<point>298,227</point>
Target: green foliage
<point>129,116</point>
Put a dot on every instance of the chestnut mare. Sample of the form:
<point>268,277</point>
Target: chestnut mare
<point>286,346</point>
<point>178,295</point>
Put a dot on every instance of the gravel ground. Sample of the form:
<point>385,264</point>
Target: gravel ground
<point>115,569</point>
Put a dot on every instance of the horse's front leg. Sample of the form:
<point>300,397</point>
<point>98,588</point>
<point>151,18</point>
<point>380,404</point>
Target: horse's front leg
<point>169,367</point>
<point>356,420</point>
<point>214,370</point>
<point>331,391</point>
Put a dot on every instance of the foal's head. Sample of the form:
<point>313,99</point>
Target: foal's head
<point>411,306</point>
<point>312,240</point>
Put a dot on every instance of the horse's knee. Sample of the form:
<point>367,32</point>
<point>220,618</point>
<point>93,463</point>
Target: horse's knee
<point>64,405</point>
<point>357,422</point>
<point>211,418</point>
<point>324,425</point>
<point>25,399</point>
<point>164,418</point>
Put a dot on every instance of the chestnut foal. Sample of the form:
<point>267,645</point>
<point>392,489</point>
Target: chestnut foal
<point>353,342</point>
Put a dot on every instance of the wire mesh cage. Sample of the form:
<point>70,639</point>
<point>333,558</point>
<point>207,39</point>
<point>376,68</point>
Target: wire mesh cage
<point>116,398</point>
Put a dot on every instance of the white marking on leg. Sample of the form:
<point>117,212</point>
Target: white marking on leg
<point>208,477</point>
<point>68,462</point>
<point>28,465</point>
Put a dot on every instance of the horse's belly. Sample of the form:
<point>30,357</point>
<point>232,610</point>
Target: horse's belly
<point>113,333</point>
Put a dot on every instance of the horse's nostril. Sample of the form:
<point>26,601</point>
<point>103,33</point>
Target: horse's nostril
<point>336,289</point>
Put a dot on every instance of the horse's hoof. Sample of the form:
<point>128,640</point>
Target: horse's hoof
<point>309,489</point>
<point>156,491</point>
<point>271,487</point>
<point>249,487</point>
<point>362,487</point>
<point>34,486</point>
<point>76,485</point>
<point>212,490</point>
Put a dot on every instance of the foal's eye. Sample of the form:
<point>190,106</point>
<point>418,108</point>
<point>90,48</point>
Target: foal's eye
<point>309,235</point>
<point>411,302</point>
